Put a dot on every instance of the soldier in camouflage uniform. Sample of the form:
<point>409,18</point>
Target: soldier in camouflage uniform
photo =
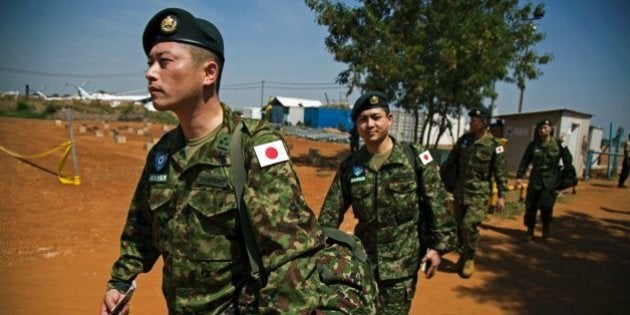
<point>544,154</point>
<point>185,210</point>
<point>625,165</point>
<point>476,158</point>
<point>379,182</point>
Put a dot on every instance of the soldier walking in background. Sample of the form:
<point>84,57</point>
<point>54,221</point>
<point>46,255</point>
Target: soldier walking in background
<point>625,166</point>
<point>476,158</point>
<point>544,154</point>
<point>396,194</point>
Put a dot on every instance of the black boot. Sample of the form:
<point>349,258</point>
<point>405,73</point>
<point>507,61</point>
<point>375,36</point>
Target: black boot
<point>545,232</point>
<point>530,234</point>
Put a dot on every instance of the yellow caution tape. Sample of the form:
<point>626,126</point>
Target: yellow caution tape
<point>495,193</point>
<point>66,146</point>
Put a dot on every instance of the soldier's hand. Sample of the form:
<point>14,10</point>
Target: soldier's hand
<point>500,205</point>
<point>110,300</point>
<point>432,258</point>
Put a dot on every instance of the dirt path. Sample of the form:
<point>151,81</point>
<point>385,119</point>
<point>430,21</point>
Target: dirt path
<point>57,242</point>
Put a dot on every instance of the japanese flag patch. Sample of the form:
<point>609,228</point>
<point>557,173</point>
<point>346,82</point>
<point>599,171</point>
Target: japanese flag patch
<point>271,153</point>
<point>499,149</point>
<point>425,157</point>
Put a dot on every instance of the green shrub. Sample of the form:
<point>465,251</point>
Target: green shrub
<point>22,106</point>
<point>52,107</point>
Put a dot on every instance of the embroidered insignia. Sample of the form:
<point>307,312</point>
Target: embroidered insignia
<point>159,161</point>
<point>271,153</point>
<point>223,143</point>
<point>357,170</point>
<point>425,157</point>
<point>358,174</point>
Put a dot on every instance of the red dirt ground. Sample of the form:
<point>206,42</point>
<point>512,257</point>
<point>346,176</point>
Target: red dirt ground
<point>57,242</point>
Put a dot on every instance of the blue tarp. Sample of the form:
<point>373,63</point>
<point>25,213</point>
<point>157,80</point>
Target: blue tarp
<point>324,117</point>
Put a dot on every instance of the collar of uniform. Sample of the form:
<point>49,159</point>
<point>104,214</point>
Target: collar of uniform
<point>208,154</point>
<point>483,140</point>
<point>397,156</point>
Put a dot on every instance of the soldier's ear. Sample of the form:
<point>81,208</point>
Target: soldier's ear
<point>211,72</point>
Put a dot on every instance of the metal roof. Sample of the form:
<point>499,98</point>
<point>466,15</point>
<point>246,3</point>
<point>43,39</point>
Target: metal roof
<point>561,110</point>
<point>296,102</point>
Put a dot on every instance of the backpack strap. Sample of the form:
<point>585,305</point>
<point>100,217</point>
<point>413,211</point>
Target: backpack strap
<point>351,241</point>
<point>239,175</point>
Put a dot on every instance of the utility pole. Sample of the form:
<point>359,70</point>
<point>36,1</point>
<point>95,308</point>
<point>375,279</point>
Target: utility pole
<point>262,93</point>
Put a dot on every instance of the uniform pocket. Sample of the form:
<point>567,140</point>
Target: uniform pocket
<point>211,225</point>
<point>483,157</point>
<point>405,200</point>
<point>161,210</point>
<point>362,202</point>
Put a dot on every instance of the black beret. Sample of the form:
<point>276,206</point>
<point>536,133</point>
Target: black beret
<point>543,122</point>
<point>177,25</point>
<point>483,113</point>
<point>367,101</point>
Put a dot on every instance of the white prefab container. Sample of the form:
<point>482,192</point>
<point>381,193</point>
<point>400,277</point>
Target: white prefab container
<point>251,112</point>
<point>403,128</point>
<point>569,125</point>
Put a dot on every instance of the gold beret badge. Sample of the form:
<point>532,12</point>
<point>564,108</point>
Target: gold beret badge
<point>168,25</point>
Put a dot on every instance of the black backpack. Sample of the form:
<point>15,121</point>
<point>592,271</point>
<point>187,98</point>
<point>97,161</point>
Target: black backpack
<point>567,176</point>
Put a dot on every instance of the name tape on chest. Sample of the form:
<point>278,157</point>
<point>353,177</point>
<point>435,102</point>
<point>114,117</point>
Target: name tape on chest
<point>499,149</point>
<point>271,153</point>
<point>425,157</point>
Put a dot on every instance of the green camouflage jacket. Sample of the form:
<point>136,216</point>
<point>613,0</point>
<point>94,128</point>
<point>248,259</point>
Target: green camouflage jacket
<point>470,167</point>
<point>184,209</point>
<point>544,156</point>
<point>387,207</point>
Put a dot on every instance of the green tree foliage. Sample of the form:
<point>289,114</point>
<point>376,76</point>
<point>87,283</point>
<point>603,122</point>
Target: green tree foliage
<point>525,64</point>
<point>440,57</point>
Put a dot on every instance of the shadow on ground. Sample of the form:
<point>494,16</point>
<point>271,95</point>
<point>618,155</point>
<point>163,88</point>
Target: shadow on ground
<point>558,276</point>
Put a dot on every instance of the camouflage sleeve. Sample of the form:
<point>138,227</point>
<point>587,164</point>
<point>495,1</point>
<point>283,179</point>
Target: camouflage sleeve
<point>525,161</point>
<point>283,223</point>
<point>449,170</point>
<point>500,171</point>
<point>137,253</point>
<point>335,205</point>
<point>436,222</point>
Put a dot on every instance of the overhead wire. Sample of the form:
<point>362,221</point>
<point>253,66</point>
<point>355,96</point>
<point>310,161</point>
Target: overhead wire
<point>233,86</point>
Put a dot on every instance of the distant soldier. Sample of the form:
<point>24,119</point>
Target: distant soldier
<point>474,161</point>
<point>544,154</point>
<point>625,167</point>
<point>396,193</point>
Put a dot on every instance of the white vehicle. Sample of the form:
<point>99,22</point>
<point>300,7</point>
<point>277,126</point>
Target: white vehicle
<point>114,99</point>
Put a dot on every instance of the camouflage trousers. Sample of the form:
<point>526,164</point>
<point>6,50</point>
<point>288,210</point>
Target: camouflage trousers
<point>543,199</point>
<point>396,295</point>
<point>468,218</point>
<point>332,280</point>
